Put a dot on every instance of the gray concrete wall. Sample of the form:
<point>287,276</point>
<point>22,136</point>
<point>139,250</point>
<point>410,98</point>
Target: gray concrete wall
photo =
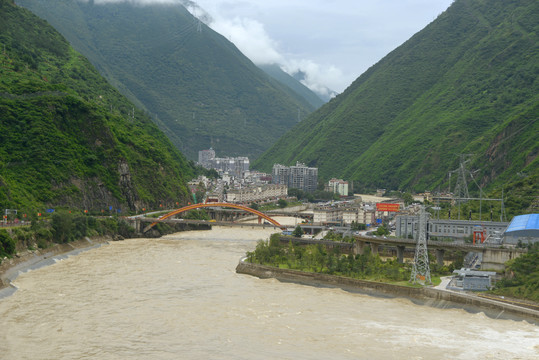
<point>495,259</point>
<point>425,296</point>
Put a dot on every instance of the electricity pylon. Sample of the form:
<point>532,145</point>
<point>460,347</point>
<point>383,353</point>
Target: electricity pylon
<point>461,188</point>
<point>421,268</point>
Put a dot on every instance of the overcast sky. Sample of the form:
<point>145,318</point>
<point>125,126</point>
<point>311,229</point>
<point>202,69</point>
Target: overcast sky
<point>332,41</point>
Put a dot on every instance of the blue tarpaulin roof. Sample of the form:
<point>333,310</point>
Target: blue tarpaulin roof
<point>524,222</point>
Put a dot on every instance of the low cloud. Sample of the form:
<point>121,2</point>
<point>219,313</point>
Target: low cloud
<point>320,79</point>
<point>253,41</point>
<point>138,2</point>
<point>251,38</point>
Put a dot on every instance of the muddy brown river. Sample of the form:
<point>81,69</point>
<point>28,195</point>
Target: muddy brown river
<point>179,297</point>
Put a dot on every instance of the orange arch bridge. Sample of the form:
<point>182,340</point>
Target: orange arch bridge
<point>228,205</point>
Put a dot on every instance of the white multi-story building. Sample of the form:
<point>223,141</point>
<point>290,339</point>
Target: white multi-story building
<point>338,186</point>
<point>205,157</point>
<point>343,213</point>
<point>256,193</point>
<point>298,177</point>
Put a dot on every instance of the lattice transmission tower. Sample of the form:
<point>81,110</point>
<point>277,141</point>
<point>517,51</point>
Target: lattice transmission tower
<point>421,268</point>
<point>461,188</point>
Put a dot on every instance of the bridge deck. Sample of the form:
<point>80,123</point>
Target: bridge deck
<point>368,239</point>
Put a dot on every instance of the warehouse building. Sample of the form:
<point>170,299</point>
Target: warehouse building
<point>523,229</point>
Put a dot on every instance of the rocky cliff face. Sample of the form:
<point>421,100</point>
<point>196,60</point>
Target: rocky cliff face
<point>126,186</point>
<point>67,137</point>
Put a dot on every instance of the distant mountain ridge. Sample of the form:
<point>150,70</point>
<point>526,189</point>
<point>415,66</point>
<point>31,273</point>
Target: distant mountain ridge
<point>200,89</point>
<point>67,138</point>
<point>275,71</point>
<point>466,84</point>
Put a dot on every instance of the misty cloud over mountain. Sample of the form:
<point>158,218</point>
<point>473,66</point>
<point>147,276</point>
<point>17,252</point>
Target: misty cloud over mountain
<point>251,37</point>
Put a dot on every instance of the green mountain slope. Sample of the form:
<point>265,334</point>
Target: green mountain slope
<point>467,83</point>
<point>68,138</point>
<point>298,89</point>
<point>201,90</point>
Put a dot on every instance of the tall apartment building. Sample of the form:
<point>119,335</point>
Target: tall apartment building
<point>205,157</point>
<point>236,166</point>
<point>280,174</point>
<point>296,177</point>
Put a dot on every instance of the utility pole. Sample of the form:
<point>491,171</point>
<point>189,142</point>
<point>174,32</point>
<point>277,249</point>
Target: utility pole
<point>421,268</point>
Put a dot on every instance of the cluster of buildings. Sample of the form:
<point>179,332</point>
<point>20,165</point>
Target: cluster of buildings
<point>236,170</point>
<point>238,184</point>
<point>345,213</point>
<point>236,166</point>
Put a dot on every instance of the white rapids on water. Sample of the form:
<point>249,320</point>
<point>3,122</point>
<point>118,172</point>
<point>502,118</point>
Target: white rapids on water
<point>179,297</point>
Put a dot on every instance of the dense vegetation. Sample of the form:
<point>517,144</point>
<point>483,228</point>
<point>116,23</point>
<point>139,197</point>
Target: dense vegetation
<point>7,245</point>
<point>298,88</point>
<point>69,139</point>
<point>317,258</point>
<point>466,84</point>
<point>60,228</point>
<point>198,87</point>
<point>521,278</point>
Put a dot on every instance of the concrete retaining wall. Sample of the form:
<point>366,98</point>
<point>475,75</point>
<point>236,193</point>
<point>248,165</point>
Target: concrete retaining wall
<point>424,296</point>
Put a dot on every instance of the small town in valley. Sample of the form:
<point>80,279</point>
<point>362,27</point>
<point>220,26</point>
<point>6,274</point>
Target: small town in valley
<point>387,224</point>
<point>269,179</point>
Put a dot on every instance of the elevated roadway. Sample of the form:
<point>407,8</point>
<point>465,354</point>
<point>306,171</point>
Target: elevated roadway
<point>493,257</point>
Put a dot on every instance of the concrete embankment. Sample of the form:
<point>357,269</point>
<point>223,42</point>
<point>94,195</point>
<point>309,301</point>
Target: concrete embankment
<point>11,268</point>
<point>423,296</point>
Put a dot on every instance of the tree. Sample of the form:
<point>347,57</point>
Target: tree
<point>7,244</point>
<point>382,230</point>
<point>62,226</point>
<point>298,231</point>
<point>282,203</point>
<point>408,198</point>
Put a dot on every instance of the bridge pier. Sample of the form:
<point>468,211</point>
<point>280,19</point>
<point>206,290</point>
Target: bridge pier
<point>359,247</point>
<point>137,225</point>
<point>400,253</point>
<point>374,248</point>
<point>440,257</point>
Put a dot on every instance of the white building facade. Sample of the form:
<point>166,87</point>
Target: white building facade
<point>297,177</point>
<point>257,193</point>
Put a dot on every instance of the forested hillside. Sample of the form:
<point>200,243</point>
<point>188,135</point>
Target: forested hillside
<point>298,89</point>
<point>199,88</point>
<point>466,84</point>
<point>68,138</point>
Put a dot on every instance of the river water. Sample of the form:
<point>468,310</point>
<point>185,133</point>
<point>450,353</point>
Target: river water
<point>179,297</point>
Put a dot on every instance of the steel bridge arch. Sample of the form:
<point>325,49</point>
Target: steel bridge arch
<point>229,205</point>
